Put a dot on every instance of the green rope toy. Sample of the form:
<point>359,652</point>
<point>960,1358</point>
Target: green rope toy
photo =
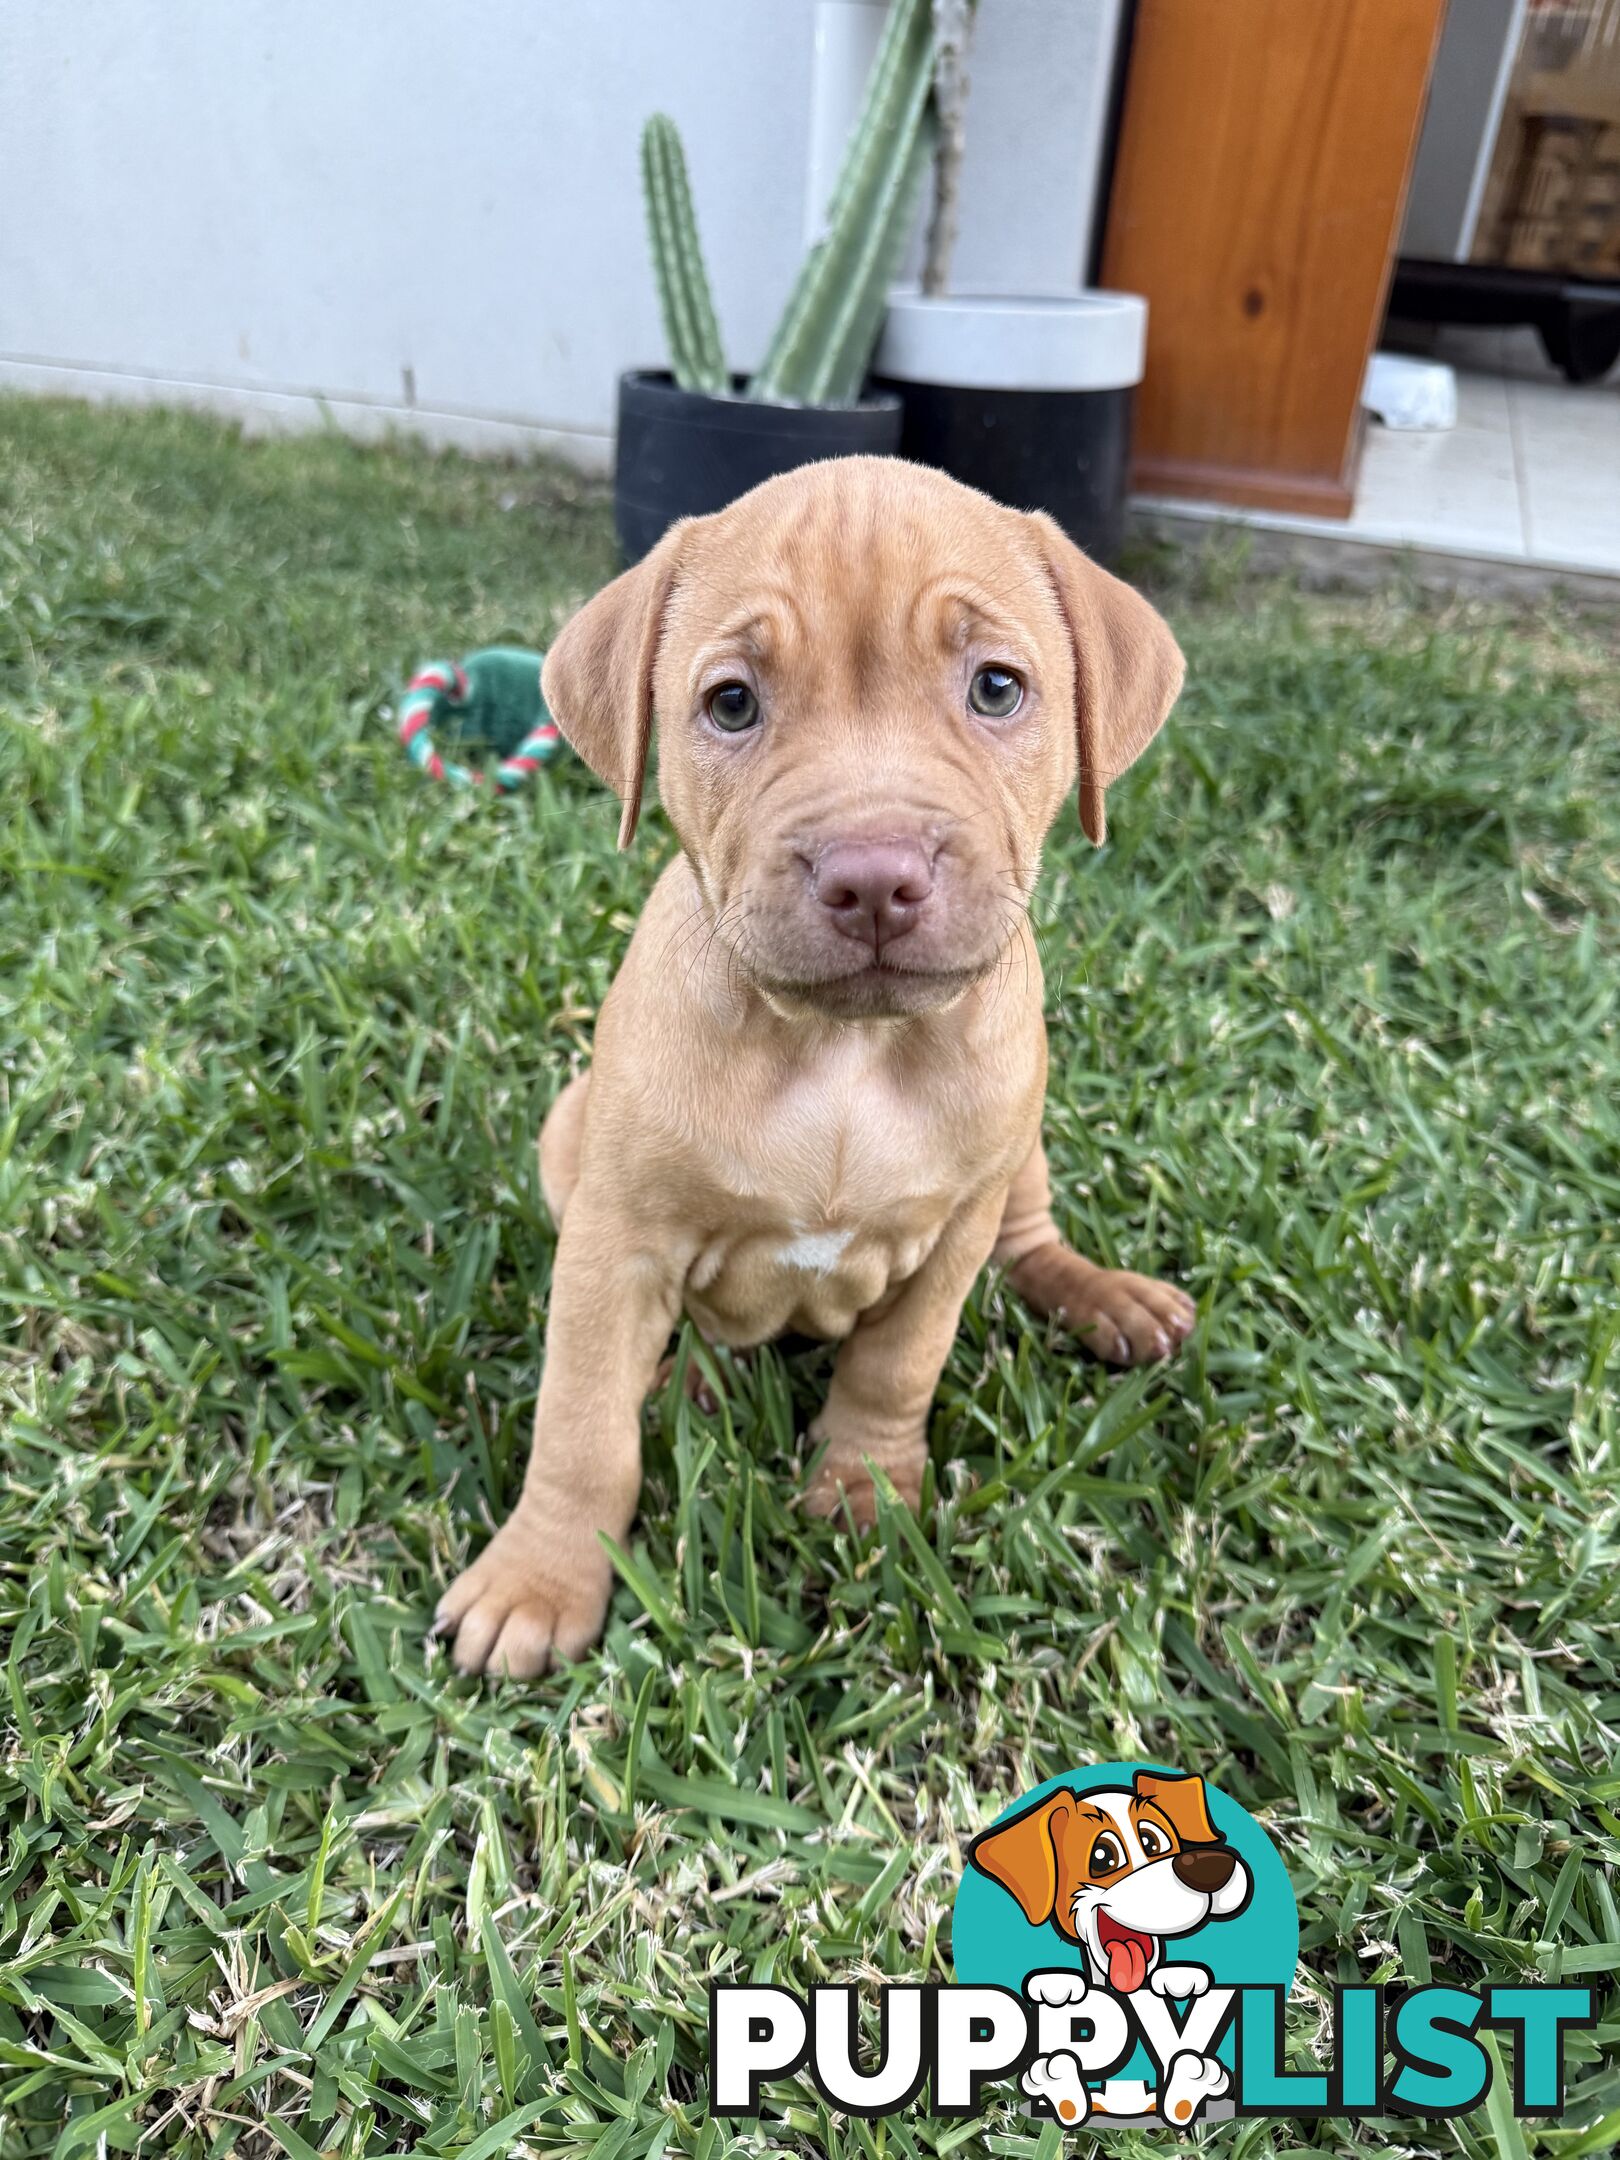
<point>493,698</point>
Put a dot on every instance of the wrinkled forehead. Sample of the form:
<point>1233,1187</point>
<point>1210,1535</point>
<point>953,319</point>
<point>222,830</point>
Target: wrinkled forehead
<point>855,575</point>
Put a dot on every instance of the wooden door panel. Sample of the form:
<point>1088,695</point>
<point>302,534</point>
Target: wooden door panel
<point>1257,198</point>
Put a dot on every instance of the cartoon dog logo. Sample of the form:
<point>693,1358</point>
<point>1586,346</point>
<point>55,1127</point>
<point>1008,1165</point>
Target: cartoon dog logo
<point>1121,1872</point>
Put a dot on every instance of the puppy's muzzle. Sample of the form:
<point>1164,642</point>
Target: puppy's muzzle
<point>874,891</point>
<point>1206,1871</point>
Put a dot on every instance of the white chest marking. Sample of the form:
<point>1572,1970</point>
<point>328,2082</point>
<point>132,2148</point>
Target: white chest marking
<point>817,1252</point>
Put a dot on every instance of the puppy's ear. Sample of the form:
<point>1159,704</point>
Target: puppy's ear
<point>1021,1855</point>
<point>598,676</point>
<point>1127,669</point>
<point>1182,1800</point>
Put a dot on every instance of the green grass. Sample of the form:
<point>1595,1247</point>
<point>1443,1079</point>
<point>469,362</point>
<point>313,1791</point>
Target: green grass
<point>1334,1040</point>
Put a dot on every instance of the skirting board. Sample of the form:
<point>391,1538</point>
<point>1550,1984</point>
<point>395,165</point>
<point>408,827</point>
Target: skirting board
<point>292,411</point>
<point>1303,495</point>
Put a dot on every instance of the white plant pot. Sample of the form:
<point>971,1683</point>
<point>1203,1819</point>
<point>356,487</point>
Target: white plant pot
<point>1078,341</point>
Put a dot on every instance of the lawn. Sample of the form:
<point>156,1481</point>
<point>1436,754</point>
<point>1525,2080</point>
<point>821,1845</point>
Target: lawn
<point>1334,1025</point>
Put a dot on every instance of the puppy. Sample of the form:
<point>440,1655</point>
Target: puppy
<point>816,1097</point>
<point>1121,1871</point>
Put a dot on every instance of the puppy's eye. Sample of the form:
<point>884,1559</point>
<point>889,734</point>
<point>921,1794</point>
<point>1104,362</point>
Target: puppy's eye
<point>1107,1855</point>
<point>1153,1841</point>
<point>996,693</point>
<point>734,708</point>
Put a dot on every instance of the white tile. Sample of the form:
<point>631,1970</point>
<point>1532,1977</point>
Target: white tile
<point>1455,488</point>
<point>1568,443</point>
<point>1529,476</point>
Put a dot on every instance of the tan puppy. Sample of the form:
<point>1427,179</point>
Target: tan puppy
<point>816,1097</point>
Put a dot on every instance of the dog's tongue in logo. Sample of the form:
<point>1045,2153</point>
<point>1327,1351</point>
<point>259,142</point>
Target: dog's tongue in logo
<point>1127,1951</point>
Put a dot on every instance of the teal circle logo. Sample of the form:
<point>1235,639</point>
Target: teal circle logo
<point>1132,1880</point>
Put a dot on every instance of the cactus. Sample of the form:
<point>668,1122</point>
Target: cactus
<point>820,351</point>
<point>823,343</point>
<point>690,324</point>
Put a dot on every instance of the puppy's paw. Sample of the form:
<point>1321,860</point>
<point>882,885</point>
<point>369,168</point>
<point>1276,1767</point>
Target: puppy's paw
<point>536,1594</point>
<point>1181,1981</point>
<point>1056,2079</point>
<point>1193,2082</point>
<point>841,1483</point>
<point>698,1389</point>
<point>1057,1988</point>
<point>1123,1318</point>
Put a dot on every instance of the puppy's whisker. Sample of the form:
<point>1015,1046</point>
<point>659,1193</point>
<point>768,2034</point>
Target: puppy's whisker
<point>1013,932</point>
<point>734,910</point>
<point>723,922</point>
<point>697,918</point>
<point>684,930</point>
<point>700,960</point>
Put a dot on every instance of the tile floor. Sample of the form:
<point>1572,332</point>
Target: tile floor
<point>1530,475</point>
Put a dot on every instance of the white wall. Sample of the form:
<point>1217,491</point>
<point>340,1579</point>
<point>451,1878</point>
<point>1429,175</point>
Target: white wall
<point>424,214</point>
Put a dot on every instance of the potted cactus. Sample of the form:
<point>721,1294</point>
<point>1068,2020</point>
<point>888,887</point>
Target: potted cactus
<point>695,437</point>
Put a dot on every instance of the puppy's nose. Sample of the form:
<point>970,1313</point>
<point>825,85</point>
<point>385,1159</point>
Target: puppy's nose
<point>874,890</point>
<point>1208,1871</point>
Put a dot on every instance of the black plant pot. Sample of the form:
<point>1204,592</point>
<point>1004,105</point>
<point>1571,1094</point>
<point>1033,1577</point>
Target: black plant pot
<point>682,453</point>
<point>1026,398</point>
<point>1065,452</point>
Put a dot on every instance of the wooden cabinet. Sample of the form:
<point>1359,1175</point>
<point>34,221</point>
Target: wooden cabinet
<point>1264,153</point>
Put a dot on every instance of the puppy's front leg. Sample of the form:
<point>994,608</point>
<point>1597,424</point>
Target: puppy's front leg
<point>887,1371</point>
<point>1126,1319</point>
<point>539,1589</point>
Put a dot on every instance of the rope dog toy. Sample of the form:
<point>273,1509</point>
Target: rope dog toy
<point>492,697</point>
